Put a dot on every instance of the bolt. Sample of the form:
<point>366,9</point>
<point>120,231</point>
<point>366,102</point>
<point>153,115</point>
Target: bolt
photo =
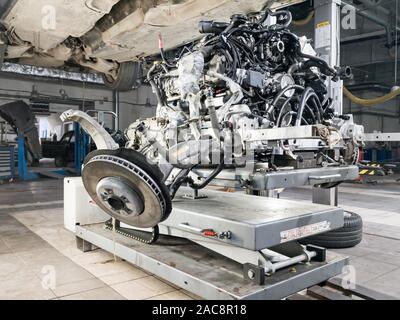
<point>251,274</point>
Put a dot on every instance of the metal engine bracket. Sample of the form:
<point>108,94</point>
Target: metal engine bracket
<point>100,136</point>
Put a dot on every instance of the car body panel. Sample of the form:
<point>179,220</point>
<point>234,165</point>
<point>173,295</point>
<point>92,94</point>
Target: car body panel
<point>177,23</point>
<point>124,30</point>
<point>21,118</point>
<point>32,20</point>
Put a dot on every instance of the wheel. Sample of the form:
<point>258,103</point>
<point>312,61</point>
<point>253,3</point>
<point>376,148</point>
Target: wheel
<point>128,76</point>
<point>60,162</point>
<point>347,237</point>
<point>127,187</point>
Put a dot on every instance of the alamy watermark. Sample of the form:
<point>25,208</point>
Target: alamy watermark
<point>349,18</point>
<point>349,279</point>
<point>49,279</point>
<point>49,18</point>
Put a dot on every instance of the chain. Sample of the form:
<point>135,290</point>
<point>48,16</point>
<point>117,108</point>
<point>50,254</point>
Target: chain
<point>133,235</point>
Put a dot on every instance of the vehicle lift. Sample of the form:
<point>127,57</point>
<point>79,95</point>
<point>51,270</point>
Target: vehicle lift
<point>23,173</point>
<point>81,151</point>
<point>82,143</point>
<point>220,245</point>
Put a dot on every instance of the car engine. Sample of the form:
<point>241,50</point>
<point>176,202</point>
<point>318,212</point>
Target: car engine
<point>240,97</point>
<point>242,76</point>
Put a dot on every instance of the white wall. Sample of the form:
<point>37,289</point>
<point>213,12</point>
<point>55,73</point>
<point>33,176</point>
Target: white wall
<point>139,110</point>
<point>136,104</point>
<point>19,88</point>
<point>12,86</point>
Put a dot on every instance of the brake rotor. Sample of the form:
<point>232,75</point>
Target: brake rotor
<point>127,187</point>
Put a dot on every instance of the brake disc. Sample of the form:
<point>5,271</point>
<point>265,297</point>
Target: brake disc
<point>127,187</point>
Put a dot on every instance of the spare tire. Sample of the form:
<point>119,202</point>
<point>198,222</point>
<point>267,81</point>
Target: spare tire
<point>347,237</point>
<point>128,77</point>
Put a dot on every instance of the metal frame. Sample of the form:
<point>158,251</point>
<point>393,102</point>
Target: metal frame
<point>327,24</point>
<point>382,137</point>
<point>23,172</point>
<point>81,147</point>
<point>302,132</point>
<point>246,221</point>
<point>262,180</point>
<point>204,273</point>
<point>211,248</point>
<point>100,136</point>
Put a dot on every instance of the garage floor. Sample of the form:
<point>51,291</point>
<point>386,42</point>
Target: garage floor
<point>33,244</point>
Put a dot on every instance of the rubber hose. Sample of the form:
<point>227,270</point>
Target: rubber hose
<point>211,177</point>
<point>280,116</point>
<point>303,22</point>
<point>306,95</point>
<point>370,102</point>
<point>282,92</point>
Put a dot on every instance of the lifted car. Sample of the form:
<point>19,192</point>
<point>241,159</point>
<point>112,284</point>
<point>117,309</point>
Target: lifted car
<point>110,37</point>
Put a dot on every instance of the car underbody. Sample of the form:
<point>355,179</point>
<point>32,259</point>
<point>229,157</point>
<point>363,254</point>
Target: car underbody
<point>107,36</point>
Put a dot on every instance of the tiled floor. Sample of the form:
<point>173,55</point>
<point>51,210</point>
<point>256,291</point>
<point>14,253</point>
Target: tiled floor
<point>34,246</point>
<point>39,259</point>
<point>377,258</point>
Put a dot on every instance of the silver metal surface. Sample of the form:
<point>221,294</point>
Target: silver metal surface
<point>263,180</point>
<point>119,196</point>
<point>270,260</point>
<point>100,136</point>
<point>292,261</point>
<point>327,26</point>
<point>328,197</point>
<point>207,274</point>
<point>145,188</point>
<point>303,177</point>
<point>325,177</point>
<point>51,73</point>
<point>255,223</point>
<point>381,137</point>
<point>302,132</point>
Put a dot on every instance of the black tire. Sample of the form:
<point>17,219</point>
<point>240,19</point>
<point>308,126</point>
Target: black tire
<point>128,77</point>
<point>60,162</point>
<point>352,222</point>
<point>347,237</point>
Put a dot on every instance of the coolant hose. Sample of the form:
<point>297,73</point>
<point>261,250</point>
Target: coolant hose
<point>305,21</point>
<point>308,92</point>
<point>211,177</point>
<point>371,102</point>
<point>283,91</point>
<point>289,19</point>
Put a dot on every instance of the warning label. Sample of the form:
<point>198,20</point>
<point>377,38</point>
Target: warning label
<point>306,231</point>
<point>323,34</point>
